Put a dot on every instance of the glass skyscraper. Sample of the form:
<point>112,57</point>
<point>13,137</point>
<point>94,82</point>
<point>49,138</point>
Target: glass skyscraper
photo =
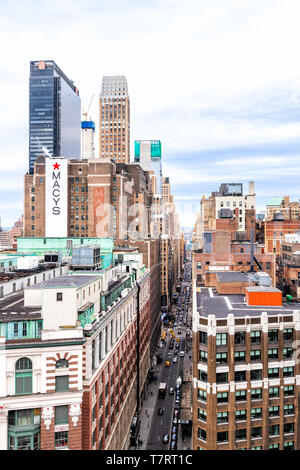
<point>54,113</point>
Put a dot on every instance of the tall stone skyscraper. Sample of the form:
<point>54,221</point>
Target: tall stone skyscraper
<point>114,125</point>
<point>54,113</point>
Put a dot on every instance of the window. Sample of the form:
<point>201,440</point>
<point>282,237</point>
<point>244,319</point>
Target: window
<point>62,383</point>
<point>202,434</point>
<point>222,436</point>
<point>256,374</point>
<point>255,355</point>
<point>288,371</point>
<point>274,430</point>
<point>202,376</point>
<point>201,414</point>
<point>274,446</point>
<point>239,356</point>
<point>256,432</point>
<point>255,337</point>
<point>61,439</point>
<point>288,409</point>
<point>59,296</point>
<point>256,413</point>
<point>203,356</point>
<point>222,417</point>
<point>273,372</point>
<point>221,377</point>
<point>288,334</point>
<point>221,358</point>
<point>273,335</point>
<point>273,353</point>
<point>273,392</point>
<point>240,337</point>
<point>23,376</point>
<point>240,395</point>
<point>288,445</point>
<point>61,414</point>
<point>240,376</point>
<point>288,390</point>
<point>240,415</point>
<point>222,397</point>
<point>221,339</point>
<point>241,434</point>
<point>288,428</point>
<point>256,394</point>
<point>61,363</point>
<point>203,337</point>
<point>274,411</point>
<point>287,352</point>
<point>201,395</point>
<point>256,448</point>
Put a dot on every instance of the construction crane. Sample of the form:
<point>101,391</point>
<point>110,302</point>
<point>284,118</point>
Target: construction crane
<point>86,112</point>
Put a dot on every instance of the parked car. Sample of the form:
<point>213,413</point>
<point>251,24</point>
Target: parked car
<point>176,412</point>
<point>175,420</point>
<point>177,405</point>
<point>161,411</point>
<point>171,390</point>
<point>173,445</point>
<point>174,429</point>
<point>166,439</point>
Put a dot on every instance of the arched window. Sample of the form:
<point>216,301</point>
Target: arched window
<point>23,376</point>
<point>61,363</point>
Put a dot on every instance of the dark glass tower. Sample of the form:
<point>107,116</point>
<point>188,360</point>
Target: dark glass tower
<point>54,113</point>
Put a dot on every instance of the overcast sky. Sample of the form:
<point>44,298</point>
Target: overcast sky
<point>218,82</point>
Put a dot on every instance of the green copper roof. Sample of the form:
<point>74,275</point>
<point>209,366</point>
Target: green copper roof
<point>275,201</point>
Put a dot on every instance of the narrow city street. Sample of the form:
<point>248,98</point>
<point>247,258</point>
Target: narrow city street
<point>160,426</point>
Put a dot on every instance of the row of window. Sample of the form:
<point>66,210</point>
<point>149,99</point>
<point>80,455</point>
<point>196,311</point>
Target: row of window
<point>241,415</point>
<point>256,374</point>
<point>255,432</point>
<point>256,394</point>
<point>240,337</point>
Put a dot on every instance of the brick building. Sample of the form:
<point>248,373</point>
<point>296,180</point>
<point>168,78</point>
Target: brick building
<point>246,379</point>
<point>75,358</point>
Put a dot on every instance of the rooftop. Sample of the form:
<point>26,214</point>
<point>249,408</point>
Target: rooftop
<point>12,309</point>
<point>210,303</point>
<point>66,281</point>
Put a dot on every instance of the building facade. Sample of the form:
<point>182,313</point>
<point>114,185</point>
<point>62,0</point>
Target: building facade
<point>246,378</point>
<point>54,113</point>
<point>114,123</point>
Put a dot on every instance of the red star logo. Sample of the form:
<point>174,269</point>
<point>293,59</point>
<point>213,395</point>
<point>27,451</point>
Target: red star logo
<point>56,166</point>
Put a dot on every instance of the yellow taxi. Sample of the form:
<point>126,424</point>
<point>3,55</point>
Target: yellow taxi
<point>178,340</point>
<point>167,363</point>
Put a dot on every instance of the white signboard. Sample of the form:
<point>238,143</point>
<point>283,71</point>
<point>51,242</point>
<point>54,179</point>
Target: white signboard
<point>56,198</point>
<point>218,268</point>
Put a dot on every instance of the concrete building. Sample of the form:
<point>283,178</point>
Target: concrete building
<point>246,378</point>
<point>87,140</point>
<point>114,123</point>
<point>148,154</point>
<point>74,359</point>
<point>290,210</point>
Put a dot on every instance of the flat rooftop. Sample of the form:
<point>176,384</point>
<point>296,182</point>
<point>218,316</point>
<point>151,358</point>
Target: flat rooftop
<point>12,309</point>
<point>210,303</point>
<point>233,276</point>
<point>66,281</point>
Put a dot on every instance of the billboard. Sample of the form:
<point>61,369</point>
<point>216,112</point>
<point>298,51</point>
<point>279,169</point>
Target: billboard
<point>56,197</point>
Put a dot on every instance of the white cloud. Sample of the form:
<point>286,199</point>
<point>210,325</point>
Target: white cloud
<point>201,75</point>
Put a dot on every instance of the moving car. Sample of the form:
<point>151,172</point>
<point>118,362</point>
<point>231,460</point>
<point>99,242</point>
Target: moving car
<point>175,359</point>
<point>167,363</point>
<point>181,353</point>
<point>161,411</point>
<point>166,439</point>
